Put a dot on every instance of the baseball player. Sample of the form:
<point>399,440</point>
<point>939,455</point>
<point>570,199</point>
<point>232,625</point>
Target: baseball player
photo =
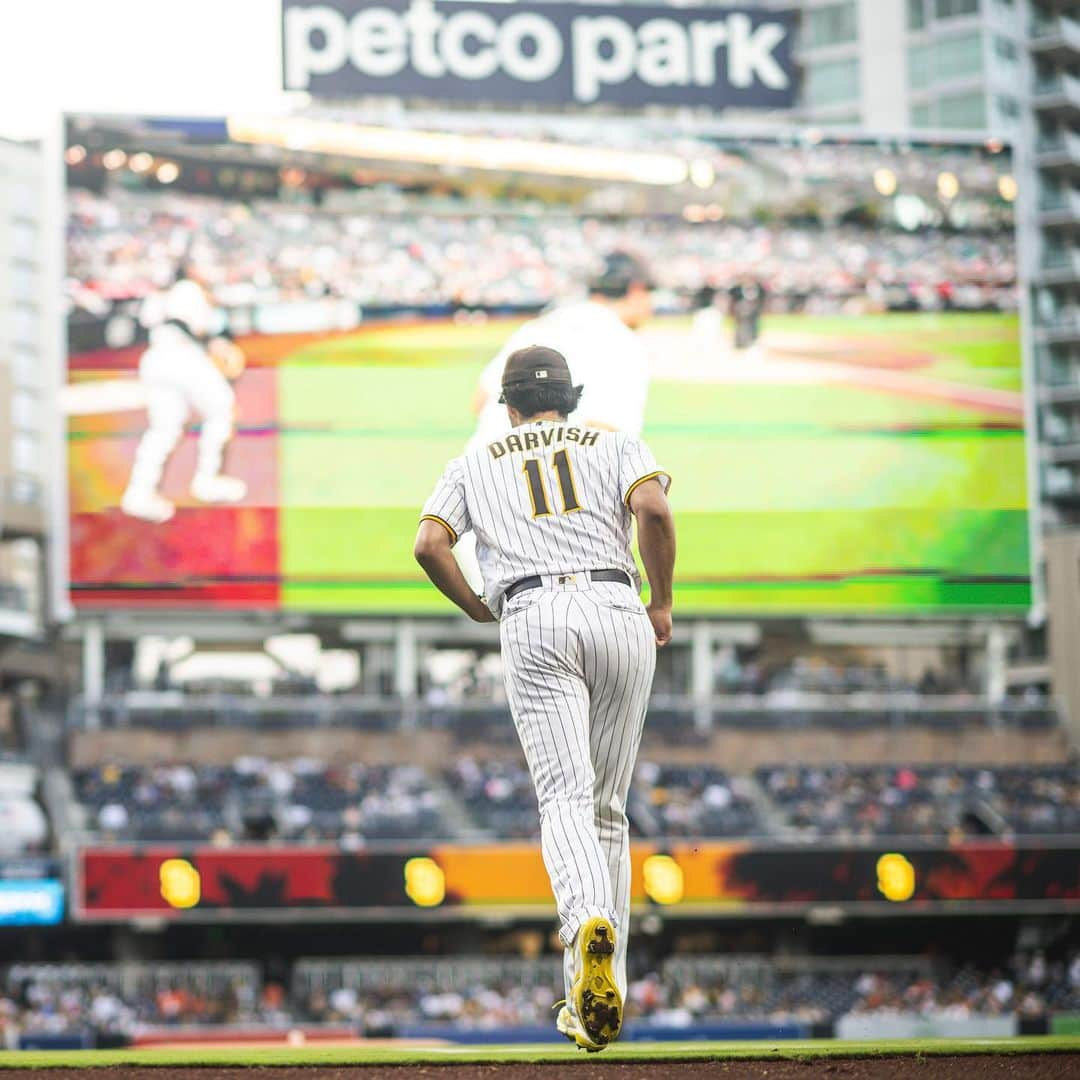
<point>185,368</point>
<point>599,340</point>
<point>551,505</point>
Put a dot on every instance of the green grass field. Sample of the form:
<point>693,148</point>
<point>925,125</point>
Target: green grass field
<point>655,1052</point>
<point>820,496</point>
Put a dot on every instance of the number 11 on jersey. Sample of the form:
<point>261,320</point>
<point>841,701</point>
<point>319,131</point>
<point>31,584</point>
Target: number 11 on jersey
<point>564,474</point>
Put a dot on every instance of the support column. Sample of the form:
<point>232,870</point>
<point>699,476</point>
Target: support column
<point>997,649</point>
<point>701,675</point>
<point>93,671</point>
<point>406,668</point>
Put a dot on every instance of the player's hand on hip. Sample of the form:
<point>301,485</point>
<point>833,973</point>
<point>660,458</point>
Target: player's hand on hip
<point>481,612</point>
<point>660,617</point>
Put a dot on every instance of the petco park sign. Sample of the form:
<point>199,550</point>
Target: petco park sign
<point>553,54</point>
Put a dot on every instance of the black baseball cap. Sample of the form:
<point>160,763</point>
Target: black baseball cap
<point>619,272</point>
<point>532,365</point>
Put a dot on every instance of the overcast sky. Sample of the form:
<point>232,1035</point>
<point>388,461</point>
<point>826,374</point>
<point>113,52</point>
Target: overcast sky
<point>146,56</point>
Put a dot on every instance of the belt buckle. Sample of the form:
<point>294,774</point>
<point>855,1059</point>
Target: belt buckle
<point>566,579</point>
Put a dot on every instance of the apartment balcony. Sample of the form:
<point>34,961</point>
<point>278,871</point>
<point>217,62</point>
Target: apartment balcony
<point>1060,393</point>
<point>1062,328</point>
<point>1059,206</point>
<point>1055,37</point>
<point>1063,449</point>
<point>22,507</point>
<point>17,619</point>
<point>1061,485</point>
<point>1059,153</point>
<point>1059,266</point>
<point>1057,94</point>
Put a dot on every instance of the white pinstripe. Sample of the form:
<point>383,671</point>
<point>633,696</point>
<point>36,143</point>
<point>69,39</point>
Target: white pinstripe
<point>578,655</point>
<point>579,662</point>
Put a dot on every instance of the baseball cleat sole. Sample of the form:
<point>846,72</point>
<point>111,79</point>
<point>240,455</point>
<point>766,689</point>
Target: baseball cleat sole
<point>597,1003</point>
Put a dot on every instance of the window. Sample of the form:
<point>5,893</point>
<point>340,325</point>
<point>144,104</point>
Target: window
<point>25,326</point>
<point>921,116</point>
<point>24,241</point>
<point>25,200</point>
<point>916,14</point>
<point>1008,107</point>
<point>24,410</point>
<point>951,9</point>
<point>962,111</point>
<point>832,24</point>
<point>959,57</point>
<point>833,82</point>
<point>25,370</point>
<point>1005,50</point>
<point>24,284</point>
<point>920,66</point>
<point>848,119</point>
<point>25,453</point>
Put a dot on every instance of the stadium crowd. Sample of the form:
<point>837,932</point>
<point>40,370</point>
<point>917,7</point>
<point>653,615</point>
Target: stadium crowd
<point>307,801</point>
<point>55,1000</point>
<point>302,800</point>
<point>128,244</point>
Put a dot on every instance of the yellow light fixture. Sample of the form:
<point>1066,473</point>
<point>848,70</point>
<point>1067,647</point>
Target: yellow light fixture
<point>425,882</point>
<point>664,880</point>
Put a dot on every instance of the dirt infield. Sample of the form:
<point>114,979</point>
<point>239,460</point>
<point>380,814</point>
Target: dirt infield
<point>929,1067</point>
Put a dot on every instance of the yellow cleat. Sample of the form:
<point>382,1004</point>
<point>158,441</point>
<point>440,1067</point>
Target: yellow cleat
<point>596,1003</point>
<point>567,1025</point>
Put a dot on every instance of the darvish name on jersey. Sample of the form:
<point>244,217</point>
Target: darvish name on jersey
<point>547,498</point>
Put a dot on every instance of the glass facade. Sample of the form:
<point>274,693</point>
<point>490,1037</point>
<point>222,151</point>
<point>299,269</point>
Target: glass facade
<point>833,24</point>
<point>833,82</point>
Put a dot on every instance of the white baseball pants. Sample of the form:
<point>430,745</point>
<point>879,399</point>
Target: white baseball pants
<point>579,660</point>
<point>178,378</point>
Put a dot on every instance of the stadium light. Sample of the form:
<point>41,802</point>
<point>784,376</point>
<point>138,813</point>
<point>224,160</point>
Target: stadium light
<point>141,162</point>
<point>948,186</point>
<point>895,877</point>
<point>167,172</point>
<point>663,879</point>
<point>425,882</point>
<point>702,173</point>
<point>885,182</point>
<point>114,159</point>
<point>75,155</point>
<point>459,151</point>
<point>1007,187</point>
<point>181,883</point>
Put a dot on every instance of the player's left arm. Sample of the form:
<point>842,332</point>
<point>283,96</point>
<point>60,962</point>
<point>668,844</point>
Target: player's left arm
<point>433,552</point>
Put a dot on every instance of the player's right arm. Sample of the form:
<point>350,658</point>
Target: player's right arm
<point>656,542</point>
<point>444,518</point>
<point>433,552</point>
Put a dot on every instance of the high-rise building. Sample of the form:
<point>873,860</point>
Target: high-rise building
<point>912,65</point>
<point>26,405</point>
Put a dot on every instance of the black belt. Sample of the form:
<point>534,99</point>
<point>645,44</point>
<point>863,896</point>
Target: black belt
<point>534,582</point>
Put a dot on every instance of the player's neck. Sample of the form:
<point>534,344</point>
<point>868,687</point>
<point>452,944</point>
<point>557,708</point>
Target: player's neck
<point>550,415</point>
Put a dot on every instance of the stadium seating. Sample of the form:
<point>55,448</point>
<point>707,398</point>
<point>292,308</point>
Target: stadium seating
<point>380,995</point>
<point>307,801</point>
<point>432,256</point>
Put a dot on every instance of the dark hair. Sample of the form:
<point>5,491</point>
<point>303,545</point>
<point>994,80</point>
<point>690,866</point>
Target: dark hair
<point>532,400</point>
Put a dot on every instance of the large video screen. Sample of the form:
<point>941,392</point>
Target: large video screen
<point>281,329</point>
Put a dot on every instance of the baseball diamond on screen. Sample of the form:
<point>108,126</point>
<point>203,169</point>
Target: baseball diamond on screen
<point>832,373</point>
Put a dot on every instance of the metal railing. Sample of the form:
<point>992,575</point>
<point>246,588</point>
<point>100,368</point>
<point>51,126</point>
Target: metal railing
<point>800,709</point>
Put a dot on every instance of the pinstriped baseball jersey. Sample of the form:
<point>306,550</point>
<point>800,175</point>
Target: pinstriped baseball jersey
<point>547,498</point>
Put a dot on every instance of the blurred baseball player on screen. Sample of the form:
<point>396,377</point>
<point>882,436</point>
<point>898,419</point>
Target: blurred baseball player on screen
<point>551,505</point>
<point>188,367</point>
<point>599,340</point>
